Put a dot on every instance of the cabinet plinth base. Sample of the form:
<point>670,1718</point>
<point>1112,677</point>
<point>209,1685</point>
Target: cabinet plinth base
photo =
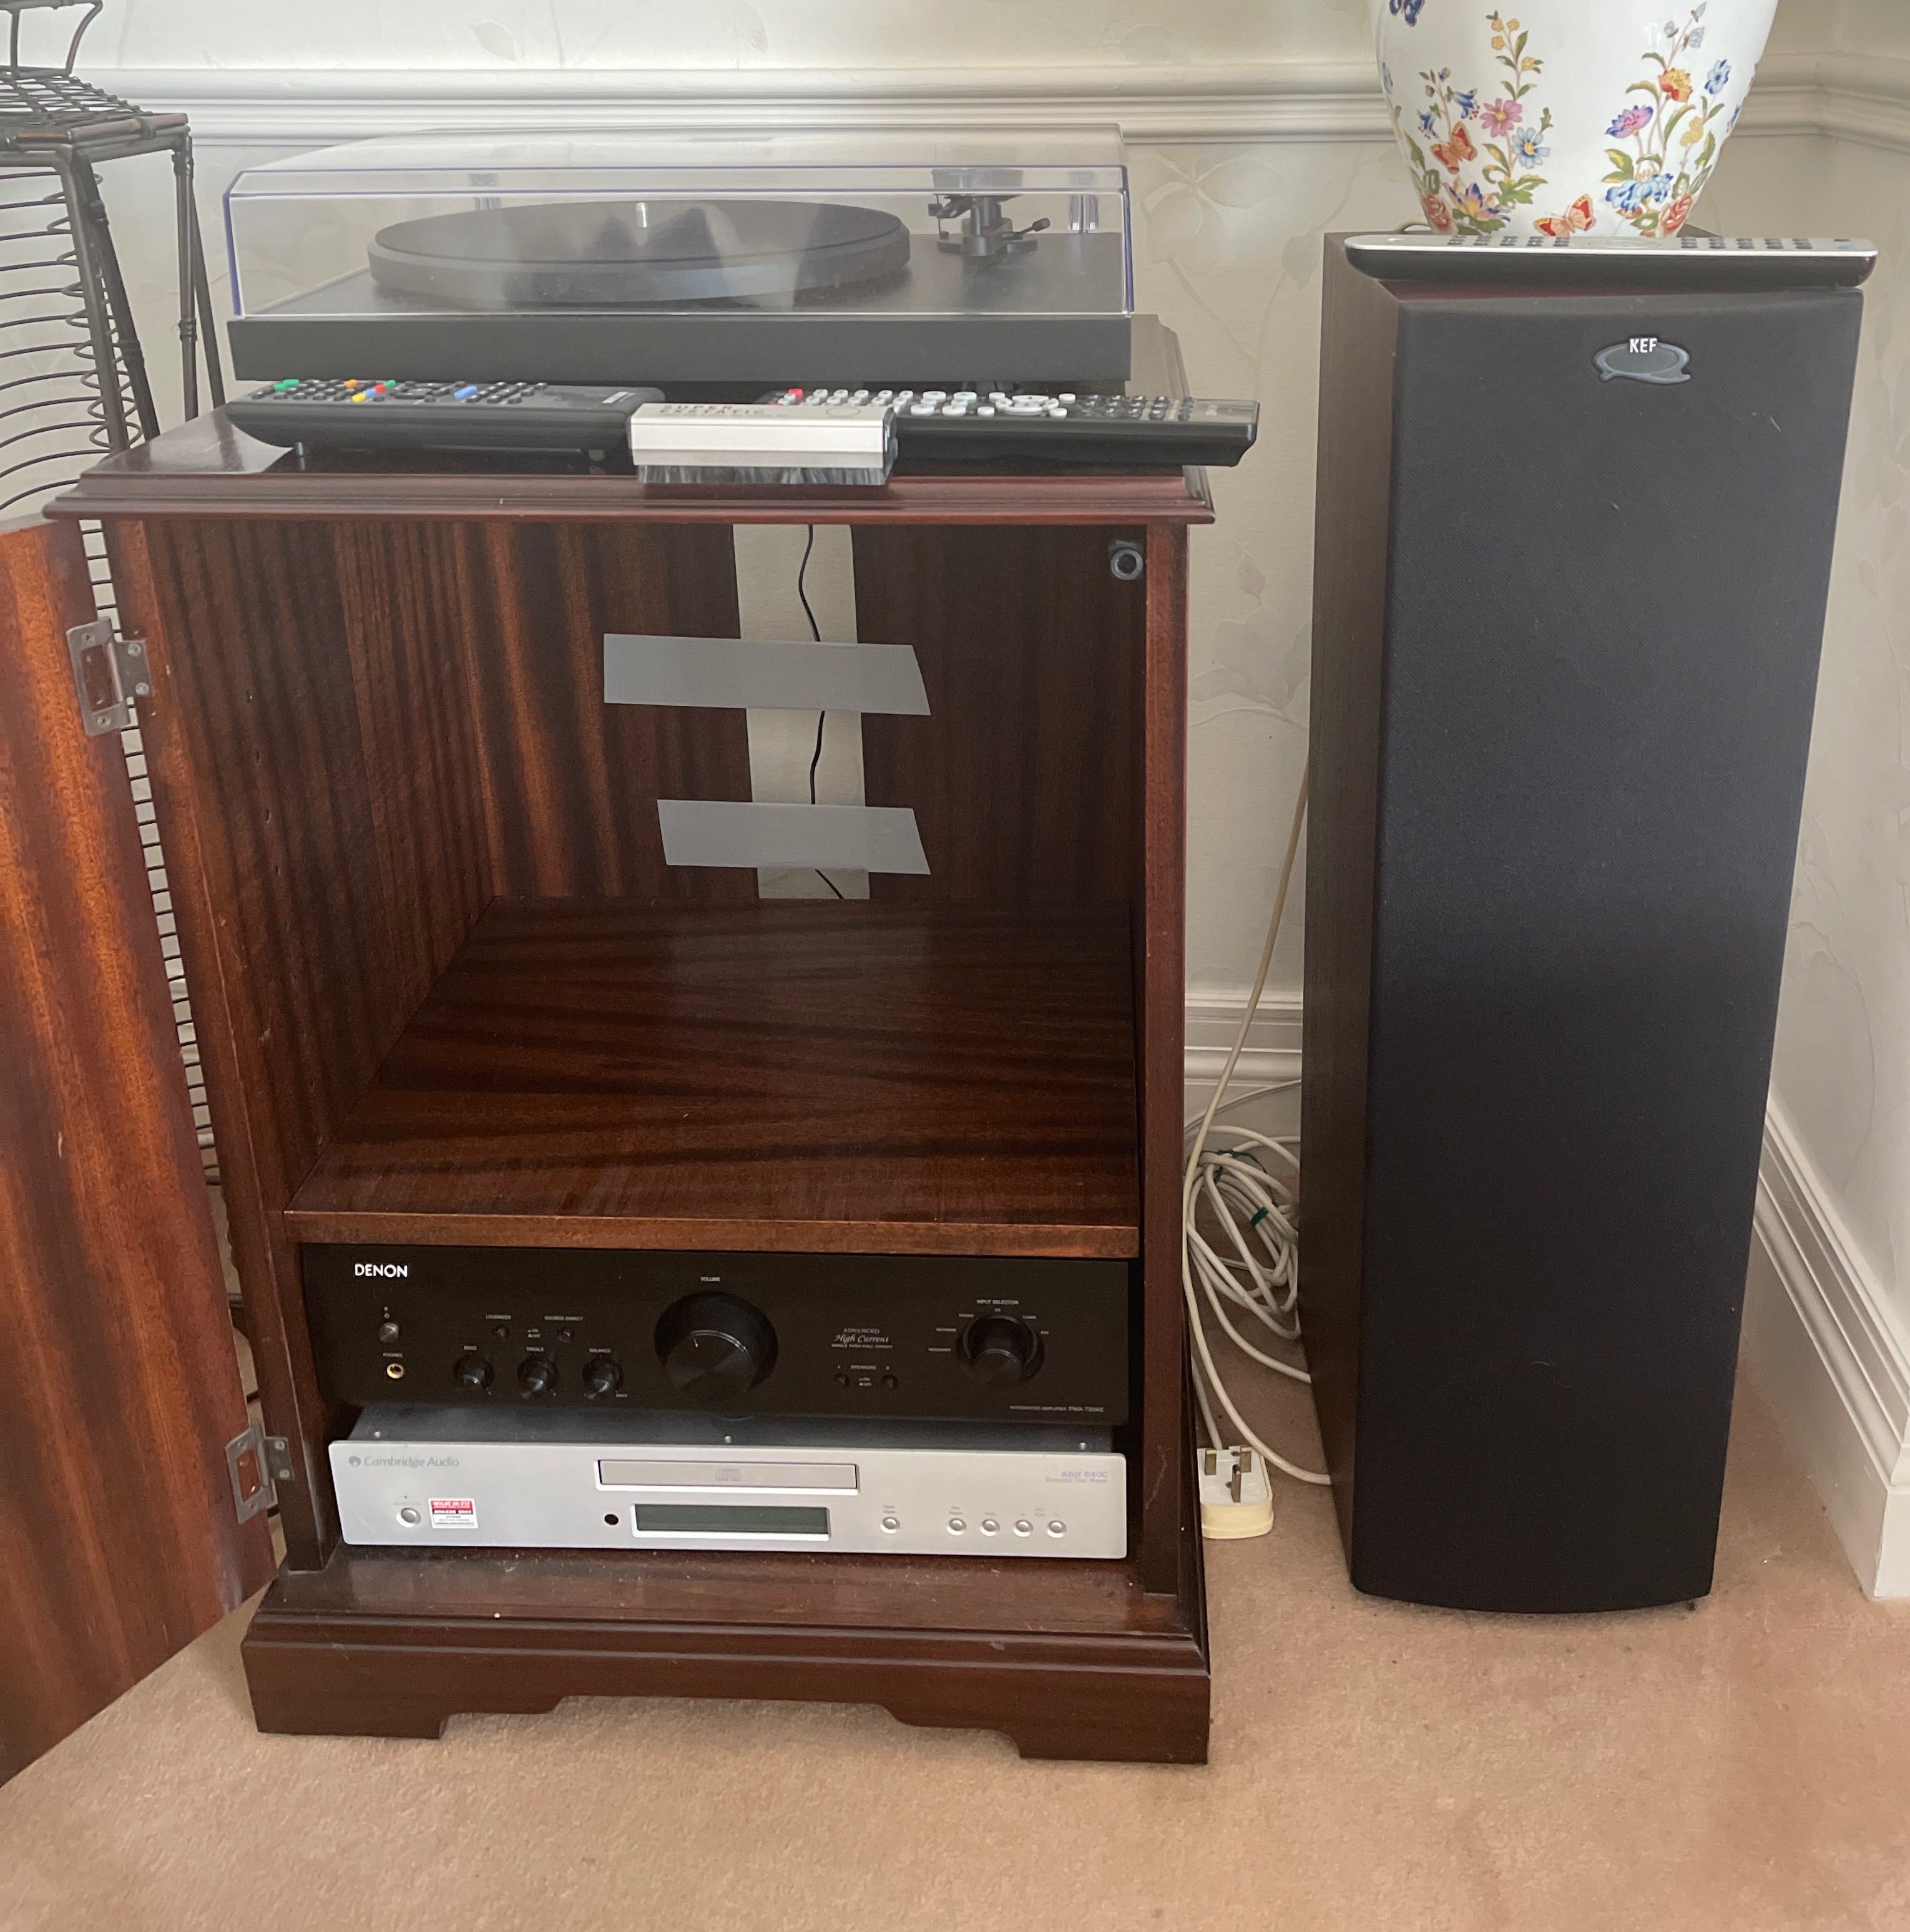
<point>1069,1660</point>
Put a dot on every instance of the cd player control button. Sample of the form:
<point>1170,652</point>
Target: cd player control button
<point>388,1331</point>
<point>989,1527</point>
<point>1000,1350</point>
<point>603,1377</point>
<point>1057,1529</point>
<point>1024,1527</point>
<point>409,1517</point>
<point>471,1372</point>
<point>715,1347</point>
<point>537,1375</point>
<point>956,1527</point>
<point>891,1524</point>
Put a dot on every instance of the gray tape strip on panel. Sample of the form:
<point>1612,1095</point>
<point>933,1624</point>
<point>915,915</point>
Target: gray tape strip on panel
<point>731,673</point>
<point>850,838</point>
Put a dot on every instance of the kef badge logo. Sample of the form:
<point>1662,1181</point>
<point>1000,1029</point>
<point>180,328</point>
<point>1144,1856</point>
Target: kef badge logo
<point>1644,359</point>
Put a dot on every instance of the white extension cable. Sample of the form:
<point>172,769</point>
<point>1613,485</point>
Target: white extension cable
<point>1251,1188</point>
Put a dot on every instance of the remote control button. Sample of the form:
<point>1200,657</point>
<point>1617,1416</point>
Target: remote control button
<point>1066,396</point>
<point>985,409</point>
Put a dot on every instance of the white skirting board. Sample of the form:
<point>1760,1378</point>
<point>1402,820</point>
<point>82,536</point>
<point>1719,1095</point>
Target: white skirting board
<point>1820,1340</point>
<point>1833,1359</point>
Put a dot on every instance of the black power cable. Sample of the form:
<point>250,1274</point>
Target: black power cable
<point>822,717</point>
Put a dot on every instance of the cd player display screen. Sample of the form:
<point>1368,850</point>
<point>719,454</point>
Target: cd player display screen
<point>729,1519</point>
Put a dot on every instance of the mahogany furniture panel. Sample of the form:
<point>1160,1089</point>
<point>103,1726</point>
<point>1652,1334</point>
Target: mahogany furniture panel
<point>1169,1510</point>
<point>833,1078</point>
<point>206,468</point>
<point>119,1386</point>
<point>1069,1660</point>
<point>1023,777</point>
<point>570,783</point>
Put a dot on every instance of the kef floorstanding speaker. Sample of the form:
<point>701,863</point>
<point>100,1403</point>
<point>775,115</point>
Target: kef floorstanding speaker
<point>1572,556</point>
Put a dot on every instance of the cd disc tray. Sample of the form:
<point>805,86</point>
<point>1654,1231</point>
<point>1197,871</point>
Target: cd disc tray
<point>689,259</point>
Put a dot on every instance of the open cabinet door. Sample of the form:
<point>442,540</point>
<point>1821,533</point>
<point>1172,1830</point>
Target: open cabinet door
<point>120,1536</point>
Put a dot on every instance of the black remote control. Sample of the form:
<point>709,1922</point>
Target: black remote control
<point>959,424</point>
<point>982,425</point>
<point>524,417</point>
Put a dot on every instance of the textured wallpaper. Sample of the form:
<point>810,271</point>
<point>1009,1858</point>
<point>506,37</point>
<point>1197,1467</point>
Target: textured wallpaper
<point>1842,1070</point>
<point>718,34</point>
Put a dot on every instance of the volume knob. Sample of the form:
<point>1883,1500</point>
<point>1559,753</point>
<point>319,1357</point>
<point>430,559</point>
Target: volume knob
<point>1000,1350</point>
<point>713,1347</point>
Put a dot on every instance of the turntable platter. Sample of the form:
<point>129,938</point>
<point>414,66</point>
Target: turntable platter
<point>633,254</point>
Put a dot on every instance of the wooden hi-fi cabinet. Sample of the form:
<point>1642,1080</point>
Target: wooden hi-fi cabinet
<point>381,765</point>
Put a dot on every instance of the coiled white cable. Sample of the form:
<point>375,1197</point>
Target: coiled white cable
<point>1251,1188</point>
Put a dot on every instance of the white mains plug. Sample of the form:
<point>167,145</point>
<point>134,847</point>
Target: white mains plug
<point>1236,1500</point>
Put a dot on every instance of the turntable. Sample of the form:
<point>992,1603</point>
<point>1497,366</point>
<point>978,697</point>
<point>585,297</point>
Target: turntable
<point>688,260</point>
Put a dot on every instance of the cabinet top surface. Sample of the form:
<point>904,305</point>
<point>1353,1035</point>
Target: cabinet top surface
<point>207,468</point>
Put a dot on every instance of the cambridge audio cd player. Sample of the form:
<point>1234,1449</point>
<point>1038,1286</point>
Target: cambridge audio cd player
<point>541,1479</point>
<point>988,1338</point>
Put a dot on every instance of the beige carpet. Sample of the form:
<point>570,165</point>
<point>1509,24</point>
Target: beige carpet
<point>1743,1766</point>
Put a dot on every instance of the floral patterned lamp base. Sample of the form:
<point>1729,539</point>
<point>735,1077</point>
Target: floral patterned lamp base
<point>1565,117</point>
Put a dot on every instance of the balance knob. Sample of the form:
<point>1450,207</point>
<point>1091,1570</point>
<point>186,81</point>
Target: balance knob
<point>713,1347</point>
<point>1000,1350</point>
<point>603,1377</point>
<point>537,1375</point>
<point>471,1372</point>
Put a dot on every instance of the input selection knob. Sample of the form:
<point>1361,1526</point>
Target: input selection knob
<point>713,1347</point>
<point>537,1375</point>
<point>1000,1350</point>
<point>603,1377</point>
<point>471,1372</point>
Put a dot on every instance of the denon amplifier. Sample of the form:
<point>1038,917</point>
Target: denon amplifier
<point>931,1337</point>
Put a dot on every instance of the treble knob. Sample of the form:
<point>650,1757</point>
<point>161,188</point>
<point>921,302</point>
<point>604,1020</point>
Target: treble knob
<point>537,1375</point>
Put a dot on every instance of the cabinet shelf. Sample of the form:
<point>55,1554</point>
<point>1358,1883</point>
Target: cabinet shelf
<point>848,1077</point>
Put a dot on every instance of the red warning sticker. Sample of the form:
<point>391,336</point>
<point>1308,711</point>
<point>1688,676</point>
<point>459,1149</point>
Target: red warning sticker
<point>453,1512</point>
